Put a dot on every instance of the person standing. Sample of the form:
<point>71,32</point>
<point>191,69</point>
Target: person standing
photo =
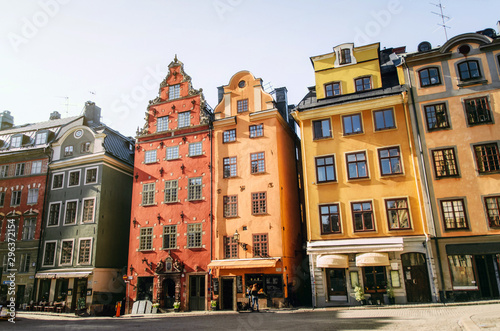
<point>255,296</point>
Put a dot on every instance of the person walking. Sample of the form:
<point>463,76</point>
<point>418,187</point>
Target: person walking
<point>255,296</point>
<point>249,295</point>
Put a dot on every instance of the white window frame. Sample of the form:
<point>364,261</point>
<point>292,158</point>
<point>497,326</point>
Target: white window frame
<point>96,176</point>
<point>148,159</point>
<point>4,171</point>
<point>67,151</point>
<point>62,181</point>
<point>174,91</point>
<point>22,166</point>
<point>16,141</point>
<point>66,211</point>
<point>172,148</point>
<point>90,252</point>
<point>12,197</point>
<point>186,121</point>
<point>58,217</point>
<point>162,125</point>
<point>79,177</point>
<point>196,148</point>
<point>45,251</point>
<point>29,232</point>
<point>31,195</point>
<point>36,165</point>
<point>44,134</point>
<point>61,251</point>
<point>83,211</point>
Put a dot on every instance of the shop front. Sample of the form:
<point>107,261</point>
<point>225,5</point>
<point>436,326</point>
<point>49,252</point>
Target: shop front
<point>97,290</point>
<point>232,277</point>
<point>473,270</point>
<point>383,269</point>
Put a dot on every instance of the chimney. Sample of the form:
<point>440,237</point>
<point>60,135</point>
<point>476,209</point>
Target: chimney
<point>498,27</point>
<point>282,102</point>
<point>220,91</point>
<point>55,116</point>
<point>6,120</point>
<point>92,113</point>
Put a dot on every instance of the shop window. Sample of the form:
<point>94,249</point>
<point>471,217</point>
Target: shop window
<point>462,272</point>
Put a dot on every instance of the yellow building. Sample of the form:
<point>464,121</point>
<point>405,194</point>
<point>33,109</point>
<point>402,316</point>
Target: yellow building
<point>365,224</point>
<point>455,107</point>
<point>256,200</point>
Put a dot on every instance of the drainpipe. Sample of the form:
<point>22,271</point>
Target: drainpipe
<point>211,206</point>
<point>426,187</point>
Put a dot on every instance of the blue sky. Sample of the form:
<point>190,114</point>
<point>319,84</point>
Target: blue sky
<point>57,54</point>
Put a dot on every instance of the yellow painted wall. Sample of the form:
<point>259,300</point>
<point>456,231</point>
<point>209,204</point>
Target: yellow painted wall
<point>376,188</point>
<point>367,65</point>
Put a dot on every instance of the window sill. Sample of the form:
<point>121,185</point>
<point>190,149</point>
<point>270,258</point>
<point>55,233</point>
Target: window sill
<point>322,138</point>
<point>390,176</point>
<point>261,214</point>
<point>352,134</point>
<point>358,179</point>
<point>326,182</point>
<point>472,82</point>
<point>386,129</point>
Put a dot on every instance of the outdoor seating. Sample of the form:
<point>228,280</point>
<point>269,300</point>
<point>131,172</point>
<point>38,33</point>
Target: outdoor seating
<point>40,306</point>
<point>30,306</point>
<point>60,306</point>
<point>50,307</point>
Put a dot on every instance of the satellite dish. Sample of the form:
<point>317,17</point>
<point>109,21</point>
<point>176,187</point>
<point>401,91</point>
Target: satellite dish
<point>424,46</point>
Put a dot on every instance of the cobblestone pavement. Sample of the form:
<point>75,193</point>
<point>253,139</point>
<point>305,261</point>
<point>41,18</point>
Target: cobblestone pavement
<point>454,317</point>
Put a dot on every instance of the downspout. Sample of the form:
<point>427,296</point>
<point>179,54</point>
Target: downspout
<point>211,206</point>
<point>427,189</point>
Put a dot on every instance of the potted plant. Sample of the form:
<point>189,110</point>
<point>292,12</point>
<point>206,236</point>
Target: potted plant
<point>155,307</point>
<point>359,294</point>
<point>213,304</point>
<point>390,295</point>
<point>177,306</point>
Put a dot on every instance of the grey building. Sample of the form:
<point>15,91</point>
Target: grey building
<point>24,157</point>
<point>86,223</point>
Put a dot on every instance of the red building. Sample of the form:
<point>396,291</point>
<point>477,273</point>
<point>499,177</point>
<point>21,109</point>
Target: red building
<point>170,229</point>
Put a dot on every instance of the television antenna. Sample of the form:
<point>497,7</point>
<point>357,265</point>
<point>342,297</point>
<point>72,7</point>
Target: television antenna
<point>67,104</point>
<point>443,17</point>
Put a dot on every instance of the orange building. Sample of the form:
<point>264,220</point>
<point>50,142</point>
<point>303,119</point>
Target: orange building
<point>170,229</point>
<point>455,108</point>
<point>256,198</point>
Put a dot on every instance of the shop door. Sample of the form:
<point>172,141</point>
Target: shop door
<point>487,272</point>
<point>20,294</point>
<point>197,292</point>
<point>79,291</point>
<point>416,277</point>
<point>43,291</point>
<point>336,284</point>
<point>227,293</point>
<point>169,293</point>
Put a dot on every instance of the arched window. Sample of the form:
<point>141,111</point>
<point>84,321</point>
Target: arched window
<point>429,77</point>
<point>469,70</point>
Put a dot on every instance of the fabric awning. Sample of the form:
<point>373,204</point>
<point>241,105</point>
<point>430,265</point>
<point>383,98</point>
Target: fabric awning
<point>372,259</point>
<point>333,261</point>
<point>75,274</point>
<point>243,263</point>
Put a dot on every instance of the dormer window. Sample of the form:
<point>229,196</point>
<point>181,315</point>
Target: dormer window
<point>85,147</point>
<point>469,70</point>
<point>41,138</point>
<point>16,141</point>
<point>345,56</point>
<point>363,84</point>
<point>174,91</point>
<point>332,89</point>
<point>68,151</point>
